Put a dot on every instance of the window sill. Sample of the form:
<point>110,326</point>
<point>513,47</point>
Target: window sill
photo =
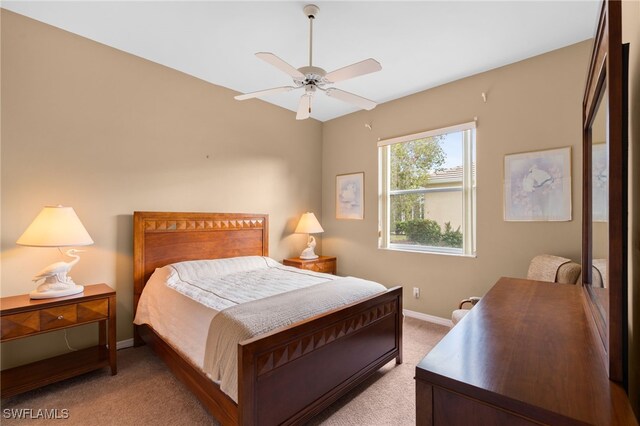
<point>425,251</point>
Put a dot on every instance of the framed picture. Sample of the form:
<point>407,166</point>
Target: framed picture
<point>537,185</point>
<point>350,196</point>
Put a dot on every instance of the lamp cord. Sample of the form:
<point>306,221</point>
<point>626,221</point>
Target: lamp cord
<point>67,341</point>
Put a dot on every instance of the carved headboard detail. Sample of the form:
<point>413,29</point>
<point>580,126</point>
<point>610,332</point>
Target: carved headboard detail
<point>154,225</point>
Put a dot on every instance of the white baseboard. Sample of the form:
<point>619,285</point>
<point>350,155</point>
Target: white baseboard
<point>122,344</point>
<point>429,318</point>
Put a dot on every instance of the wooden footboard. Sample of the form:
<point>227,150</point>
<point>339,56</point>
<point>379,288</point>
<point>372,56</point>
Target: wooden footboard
<point>289,375</point>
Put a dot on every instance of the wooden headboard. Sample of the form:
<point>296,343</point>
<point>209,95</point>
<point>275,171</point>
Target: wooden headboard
<point>162,238</point>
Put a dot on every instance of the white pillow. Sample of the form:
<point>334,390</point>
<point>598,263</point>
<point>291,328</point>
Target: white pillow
<point>211,268</point>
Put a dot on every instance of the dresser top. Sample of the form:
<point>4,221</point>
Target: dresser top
<point>528,346</point>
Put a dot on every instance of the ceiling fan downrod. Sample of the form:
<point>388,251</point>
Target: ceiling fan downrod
<point>310,11</point>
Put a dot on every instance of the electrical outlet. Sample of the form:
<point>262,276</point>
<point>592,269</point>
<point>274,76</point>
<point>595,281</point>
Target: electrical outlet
<point>416,293</point>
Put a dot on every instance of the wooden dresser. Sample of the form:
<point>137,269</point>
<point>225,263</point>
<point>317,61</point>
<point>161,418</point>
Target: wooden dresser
<point>526,354</point>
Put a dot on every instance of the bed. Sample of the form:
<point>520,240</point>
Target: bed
<point>287,375</point>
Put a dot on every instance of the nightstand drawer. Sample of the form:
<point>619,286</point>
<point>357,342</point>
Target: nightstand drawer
<point>20,324</point>
<point>326,267</point>
<point>94,310</point>
<point>326,264</point>
<point>51,318</point>
<point>60,316</point>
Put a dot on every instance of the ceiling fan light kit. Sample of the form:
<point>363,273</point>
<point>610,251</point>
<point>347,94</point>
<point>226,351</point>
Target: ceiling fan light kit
<point>313,78</point>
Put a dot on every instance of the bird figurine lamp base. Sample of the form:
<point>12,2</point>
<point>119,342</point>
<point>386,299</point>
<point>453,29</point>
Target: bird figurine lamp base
<point>58,291</point>
<point>309,253</point>
<point>56,281</point>
<point>58,285</point>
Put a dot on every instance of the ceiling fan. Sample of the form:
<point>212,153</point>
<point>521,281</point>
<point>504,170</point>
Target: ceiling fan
<point>313,78</point>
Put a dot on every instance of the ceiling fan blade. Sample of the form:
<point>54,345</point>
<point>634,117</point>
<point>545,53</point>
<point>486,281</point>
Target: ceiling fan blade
<point>354,70</point>
<point>304,107</point>
<point>263,92</point>
<point>356,100</point>
<point>280,64</point>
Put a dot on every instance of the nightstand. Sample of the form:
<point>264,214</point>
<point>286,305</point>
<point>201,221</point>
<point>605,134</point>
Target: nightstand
<point>23,317</point>
<point>326,264</point>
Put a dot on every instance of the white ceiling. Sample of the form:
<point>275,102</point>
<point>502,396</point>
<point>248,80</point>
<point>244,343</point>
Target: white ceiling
<point>420,44</point>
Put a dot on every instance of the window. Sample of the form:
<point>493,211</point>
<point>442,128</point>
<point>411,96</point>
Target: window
<point>428,191</point>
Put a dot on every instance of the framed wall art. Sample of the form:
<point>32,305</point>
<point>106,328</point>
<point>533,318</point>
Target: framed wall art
<point>537,185</point>
<point>350,196</point>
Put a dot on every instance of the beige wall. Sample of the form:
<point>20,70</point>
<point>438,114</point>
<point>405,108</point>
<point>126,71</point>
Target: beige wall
<point>631,35</point>
<point>531,105</point>
<point>108,133</point>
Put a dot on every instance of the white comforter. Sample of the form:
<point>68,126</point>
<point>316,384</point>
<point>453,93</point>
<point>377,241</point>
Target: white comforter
<point>221,285</point>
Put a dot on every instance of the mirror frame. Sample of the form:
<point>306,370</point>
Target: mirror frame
<point>606,73</point>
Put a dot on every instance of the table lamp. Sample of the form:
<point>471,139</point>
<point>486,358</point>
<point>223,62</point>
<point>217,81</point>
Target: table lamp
<point>56,226</point>
<point>309,225</point>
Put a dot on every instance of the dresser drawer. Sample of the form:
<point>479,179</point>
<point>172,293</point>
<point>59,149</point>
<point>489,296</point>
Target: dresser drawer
<point>60,316</point>
<point>20,324</point>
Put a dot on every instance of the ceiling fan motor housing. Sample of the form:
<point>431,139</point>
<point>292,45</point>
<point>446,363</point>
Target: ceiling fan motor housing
<point>311,11</point>
<point>313,75</point>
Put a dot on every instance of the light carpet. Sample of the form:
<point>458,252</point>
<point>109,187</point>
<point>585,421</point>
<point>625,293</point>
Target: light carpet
<point>144,392</point>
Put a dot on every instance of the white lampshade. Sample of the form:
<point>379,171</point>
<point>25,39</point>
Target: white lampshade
<point>55,226</point>
<point>308,224</point>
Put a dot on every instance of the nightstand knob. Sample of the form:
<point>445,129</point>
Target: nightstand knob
<point>60,317</point>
